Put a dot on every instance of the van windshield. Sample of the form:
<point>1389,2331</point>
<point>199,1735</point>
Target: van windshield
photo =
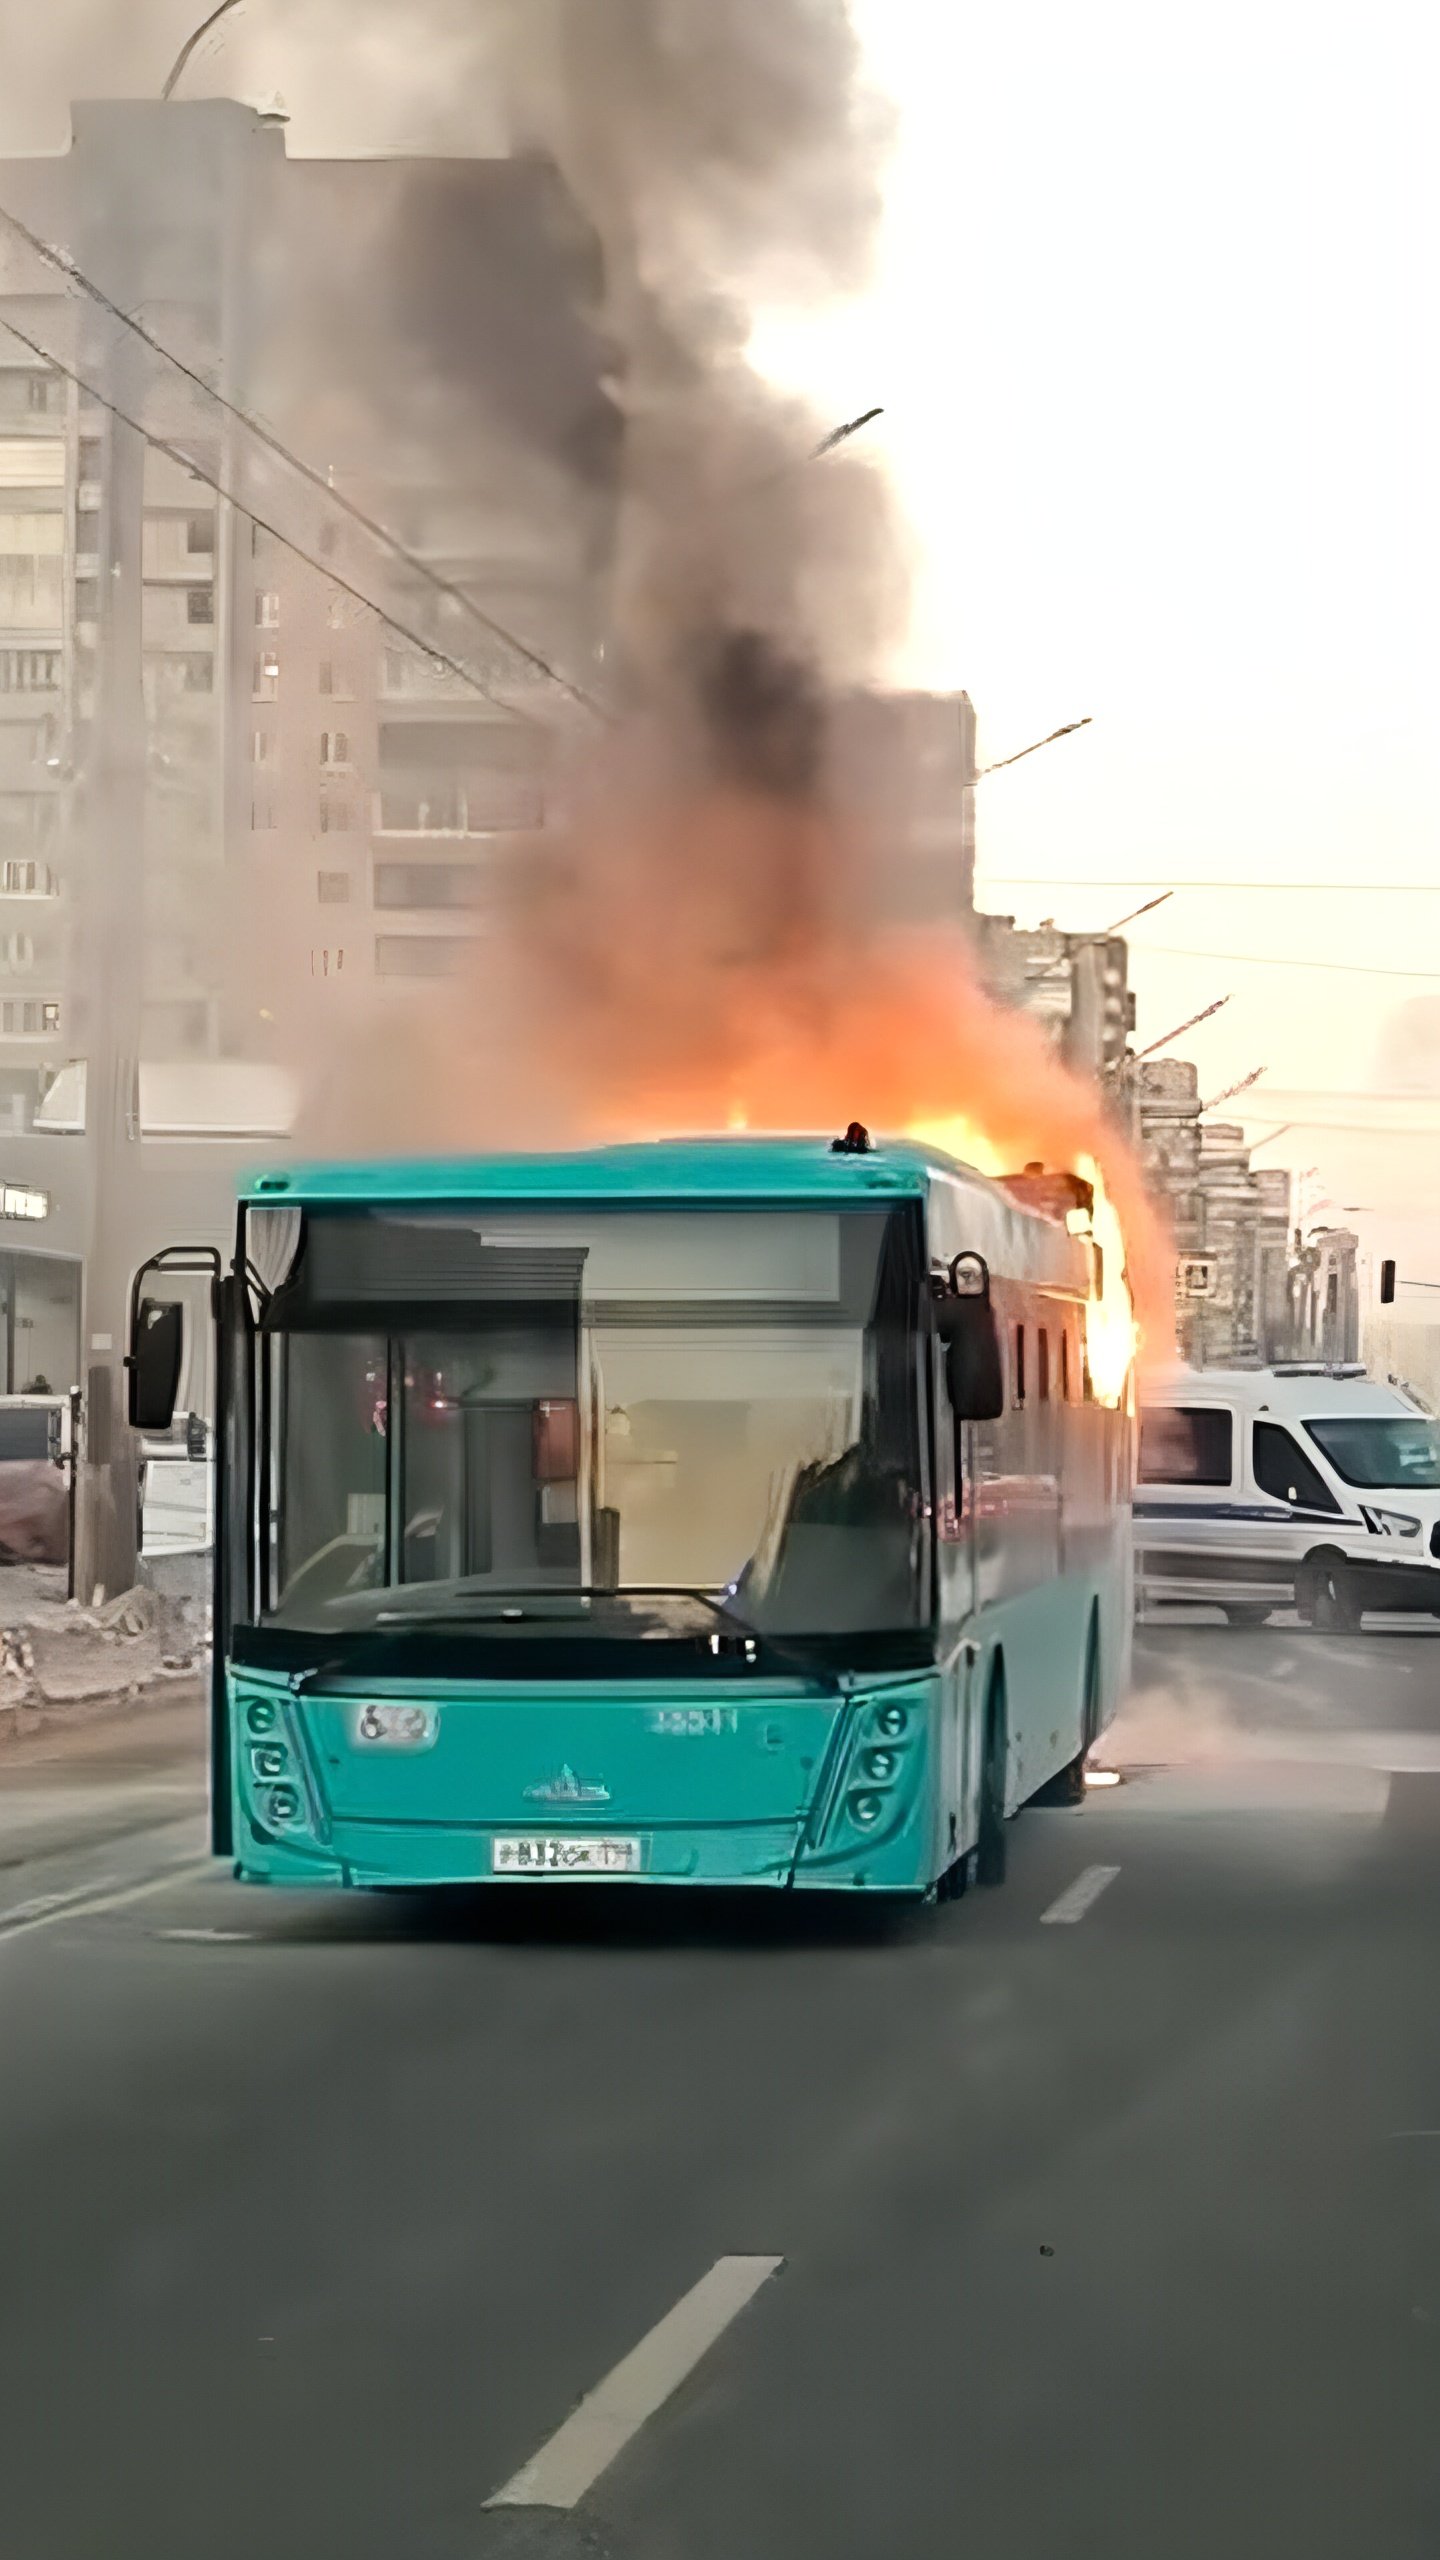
<point>1382,1453</point>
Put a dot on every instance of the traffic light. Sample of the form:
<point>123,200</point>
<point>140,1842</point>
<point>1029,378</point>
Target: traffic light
<point>1387,1284</point>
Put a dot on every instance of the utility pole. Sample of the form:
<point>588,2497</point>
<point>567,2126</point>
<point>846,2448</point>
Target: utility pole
<point>111,937</point>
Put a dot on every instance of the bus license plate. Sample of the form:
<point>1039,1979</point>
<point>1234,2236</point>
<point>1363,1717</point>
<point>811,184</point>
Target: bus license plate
<point>536,1855</point>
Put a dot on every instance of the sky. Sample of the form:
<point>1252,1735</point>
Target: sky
<point>1153,331</point>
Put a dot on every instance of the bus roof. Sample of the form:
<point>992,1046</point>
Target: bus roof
<point>729,1168</point>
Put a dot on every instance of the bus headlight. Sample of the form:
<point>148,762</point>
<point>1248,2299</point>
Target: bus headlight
<point>892,1719</point>
<point>269,1760</point>
<point>880,1765</point>
<point>284,1804</point>
<point>262,1715</point>
<point>866,1809</point>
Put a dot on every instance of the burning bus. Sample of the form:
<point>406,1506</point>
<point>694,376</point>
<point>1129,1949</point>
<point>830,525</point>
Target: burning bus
<point>747,1510</point>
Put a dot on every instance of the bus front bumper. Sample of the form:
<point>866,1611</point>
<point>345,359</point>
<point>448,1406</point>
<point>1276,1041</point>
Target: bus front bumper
<point>432,1857</point>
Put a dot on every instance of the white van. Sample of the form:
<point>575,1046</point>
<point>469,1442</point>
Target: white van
<point>177,1497</point>
<point>1295,1487</point>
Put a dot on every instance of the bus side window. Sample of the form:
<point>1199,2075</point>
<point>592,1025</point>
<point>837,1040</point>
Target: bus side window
<point>1042,1366</point>
<point>1019,1364</point>
<point>1065,1363</point>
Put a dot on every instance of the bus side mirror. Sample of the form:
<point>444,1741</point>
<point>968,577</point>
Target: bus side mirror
<point>156,1342</point>
<point>965,1322</point>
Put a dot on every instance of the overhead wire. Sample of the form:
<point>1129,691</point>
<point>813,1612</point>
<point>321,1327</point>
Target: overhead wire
<point>324,568</point>
<point>1157,880</point>
<point>1276,960</point>
<point>66,266</point>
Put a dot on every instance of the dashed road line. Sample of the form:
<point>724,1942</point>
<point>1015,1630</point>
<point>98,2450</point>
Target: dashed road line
<point>571,2460</point>
<point>35,1903</point>
<point>1077,1898</point>
<point>86,1905</point>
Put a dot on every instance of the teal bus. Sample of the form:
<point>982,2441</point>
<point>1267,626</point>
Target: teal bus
<point>741,1511</point>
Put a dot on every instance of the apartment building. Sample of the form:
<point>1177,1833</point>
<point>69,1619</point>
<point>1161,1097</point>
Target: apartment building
<point>287,791</point>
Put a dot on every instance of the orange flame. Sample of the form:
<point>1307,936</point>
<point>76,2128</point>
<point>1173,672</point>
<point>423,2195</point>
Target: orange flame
<point>712,960</point>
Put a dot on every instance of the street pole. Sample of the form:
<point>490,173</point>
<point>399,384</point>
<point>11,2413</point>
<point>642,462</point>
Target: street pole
<point>111,940</point>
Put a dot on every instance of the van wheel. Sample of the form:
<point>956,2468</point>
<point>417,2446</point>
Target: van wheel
<point>1247,1613</point>
<point>990,1848</point>
<point>1325,1595</point>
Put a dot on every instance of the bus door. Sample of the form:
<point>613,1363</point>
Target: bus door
<point>955,1514</point>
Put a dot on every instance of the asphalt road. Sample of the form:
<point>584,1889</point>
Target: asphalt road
<point>1115,2236</point>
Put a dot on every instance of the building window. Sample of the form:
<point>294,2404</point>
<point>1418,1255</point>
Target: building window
<point>32,577</point>
<point>267,609</point>
<point>415,955</point>
<point>26,1018</point>
<point>425,884</point>
<point>333,888</point>
<point>25,880</point>
<point>266,684</point>
<point>199,604</point>
<point>87,599</point>
<point>1042,1365</point>
<point>1065,1365</point>
<point>262,746</point>
<point>199,534</point>
<point>18,1201</point>
<point>29,670</point>
<point>262,814</point>
<point>1019,1380</point>
<point>420,809</point>
<point>334,747</point>
<point>46,394</point>
<point>335,817</point>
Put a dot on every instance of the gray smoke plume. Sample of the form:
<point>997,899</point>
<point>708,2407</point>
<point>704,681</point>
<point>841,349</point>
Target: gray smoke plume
<point>728,158</point>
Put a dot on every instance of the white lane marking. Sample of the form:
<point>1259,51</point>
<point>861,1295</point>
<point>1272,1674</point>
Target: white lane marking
<point>84,1909</point>
<point>209,1937</point>
<point>37,1902</point>
<point>1076,1899</point>
<point>586,2444</point>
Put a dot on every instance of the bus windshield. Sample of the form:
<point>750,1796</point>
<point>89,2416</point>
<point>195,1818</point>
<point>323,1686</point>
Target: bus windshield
<point>1382,1453</point>
<point>664,1419</point>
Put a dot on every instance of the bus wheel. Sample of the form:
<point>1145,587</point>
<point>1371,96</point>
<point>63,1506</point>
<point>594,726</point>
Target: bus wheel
<point>1326,1597</point>
<point>990,1848</point>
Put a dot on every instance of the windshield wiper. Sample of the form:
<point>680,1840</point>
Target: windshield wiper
<point>784,1650</point>
<point>527,1604</point>
<point>494,1601</point>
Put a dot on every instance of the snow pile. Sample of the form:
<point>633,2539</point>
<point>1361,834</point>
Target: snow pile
<point>55,1653</point>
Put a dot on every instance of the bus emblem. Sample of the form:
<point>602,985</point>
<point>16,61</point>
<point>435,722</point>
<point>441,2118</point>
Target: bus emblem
<point>568,1789</point>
